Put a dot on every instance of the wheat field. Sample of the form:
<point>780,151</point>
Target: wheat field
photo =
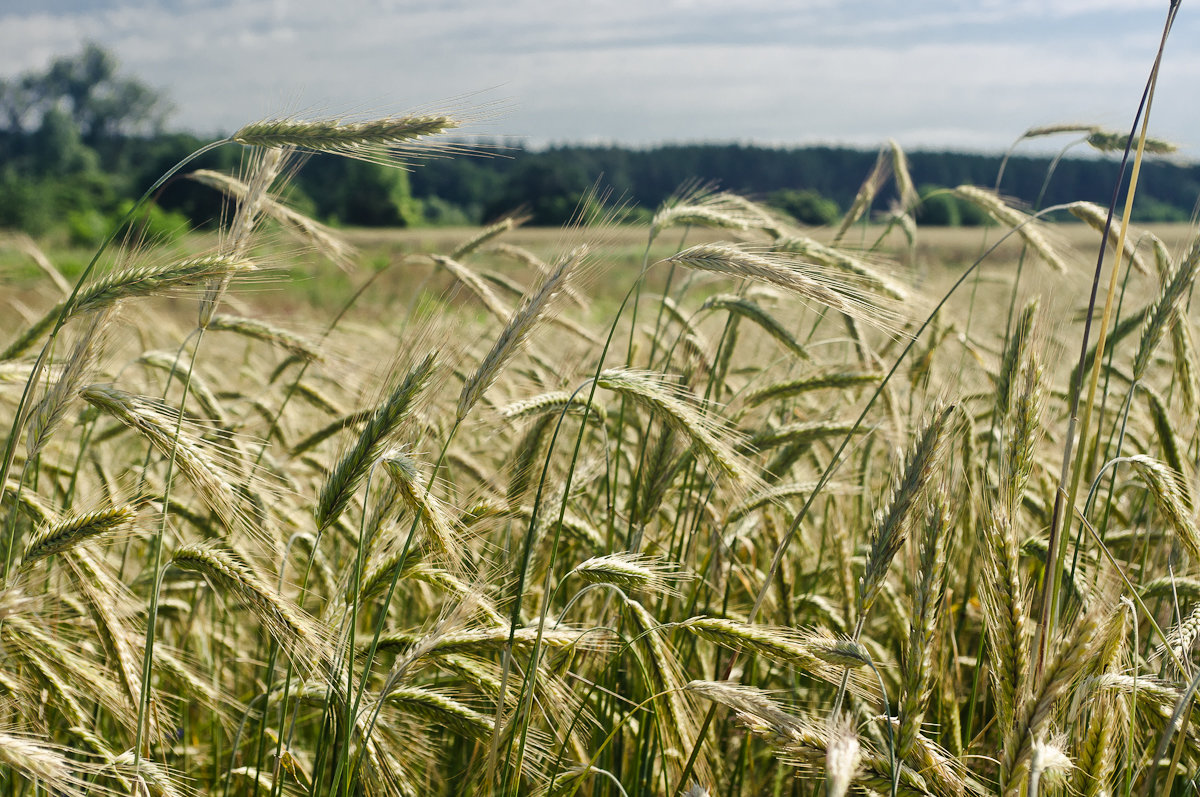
<point>709,506</point>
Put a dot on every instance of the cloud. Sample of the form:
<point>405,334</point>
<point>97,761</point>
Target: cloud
<point>635,71</point>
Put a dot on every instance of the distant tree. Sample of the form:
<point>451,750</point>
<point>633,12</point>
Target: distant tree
<point>16,103</point>
<point>805,206</point>
<point>938,208</point>
<point>89,89</point>
<point>359,193</point>
<point>971,215</point>
<point>57,149</point>
<point>549,190</point>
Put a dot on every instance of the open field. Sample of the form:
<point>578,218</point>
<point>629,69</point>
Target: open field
<point>492,512</point>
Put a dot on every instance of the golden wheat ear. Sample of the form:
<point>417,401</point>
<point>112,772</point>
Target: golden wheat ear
<point>1030,230</point>
<point>324,239</point>
<point>834,288</point>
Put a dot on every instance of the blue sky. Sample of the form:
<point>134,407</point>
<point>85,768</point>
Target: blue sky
<point>964,75</point>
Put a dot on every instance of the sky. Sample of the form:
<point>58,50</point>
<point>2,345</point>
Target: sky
<point>968,75</point>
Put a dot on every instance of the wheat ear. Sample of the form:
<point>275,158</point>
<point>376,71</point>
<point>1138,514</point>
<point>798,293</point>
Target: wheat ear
<point>476,285</point>
<point>1167,488</point>
<point>793,274</point>
<point>130,283</point>
<point>353,466</point>
<point>48,414</point>
<point>488,233</point>
<point>440,710</point>
<point>917,664</point>
<point>517,331</point>
<point>376,140</point>
<point>159,425</point>
<point>1063,672</point>
<point>842,757</point>
<point>228,575</point>
<point>904,182</point>
<point>324,239</point>
<point>820,655</point>
<point>1177,286</point>
<point>522,255</point>
<point>267,333</point>
<point>865,196</point>
<point>893,523</point>
<point>40,763</point>
<point>487,641</point>
<point>1005,607</point>
<point>752,311</point>
<point>630,572</point>
<point>679,410</point>
<point>74,530</point>
<point>410,482</point>
<point>836,380</point>
<point>1106,141</point>
<point>1186,362</point>
<point>1019,341</point>
<point>704,209</point>
<point>1024,225</point>
<point>1096,217</point>
<point>265,166</point>
<point>841,261</point>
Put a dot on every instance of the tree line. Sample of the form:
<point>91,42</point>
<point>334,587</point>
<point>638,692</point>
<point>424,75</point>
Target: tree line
<point>79,140</point>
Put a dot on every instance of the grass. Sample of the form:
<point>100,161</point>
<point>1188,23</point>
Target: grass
<point>708,506</point>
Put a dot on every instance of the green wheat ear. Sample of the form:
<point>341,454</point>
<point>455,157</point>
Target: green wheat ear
<point>354,139</point>
<point>65,534</point>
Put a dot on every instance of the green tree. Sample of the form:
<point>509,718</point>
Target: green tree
<point>549,190</point>
<point>57,148</point>
<point>102,102</point>
<point>360,193</point>
<point>805,206</point>
<point>938,208</point>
